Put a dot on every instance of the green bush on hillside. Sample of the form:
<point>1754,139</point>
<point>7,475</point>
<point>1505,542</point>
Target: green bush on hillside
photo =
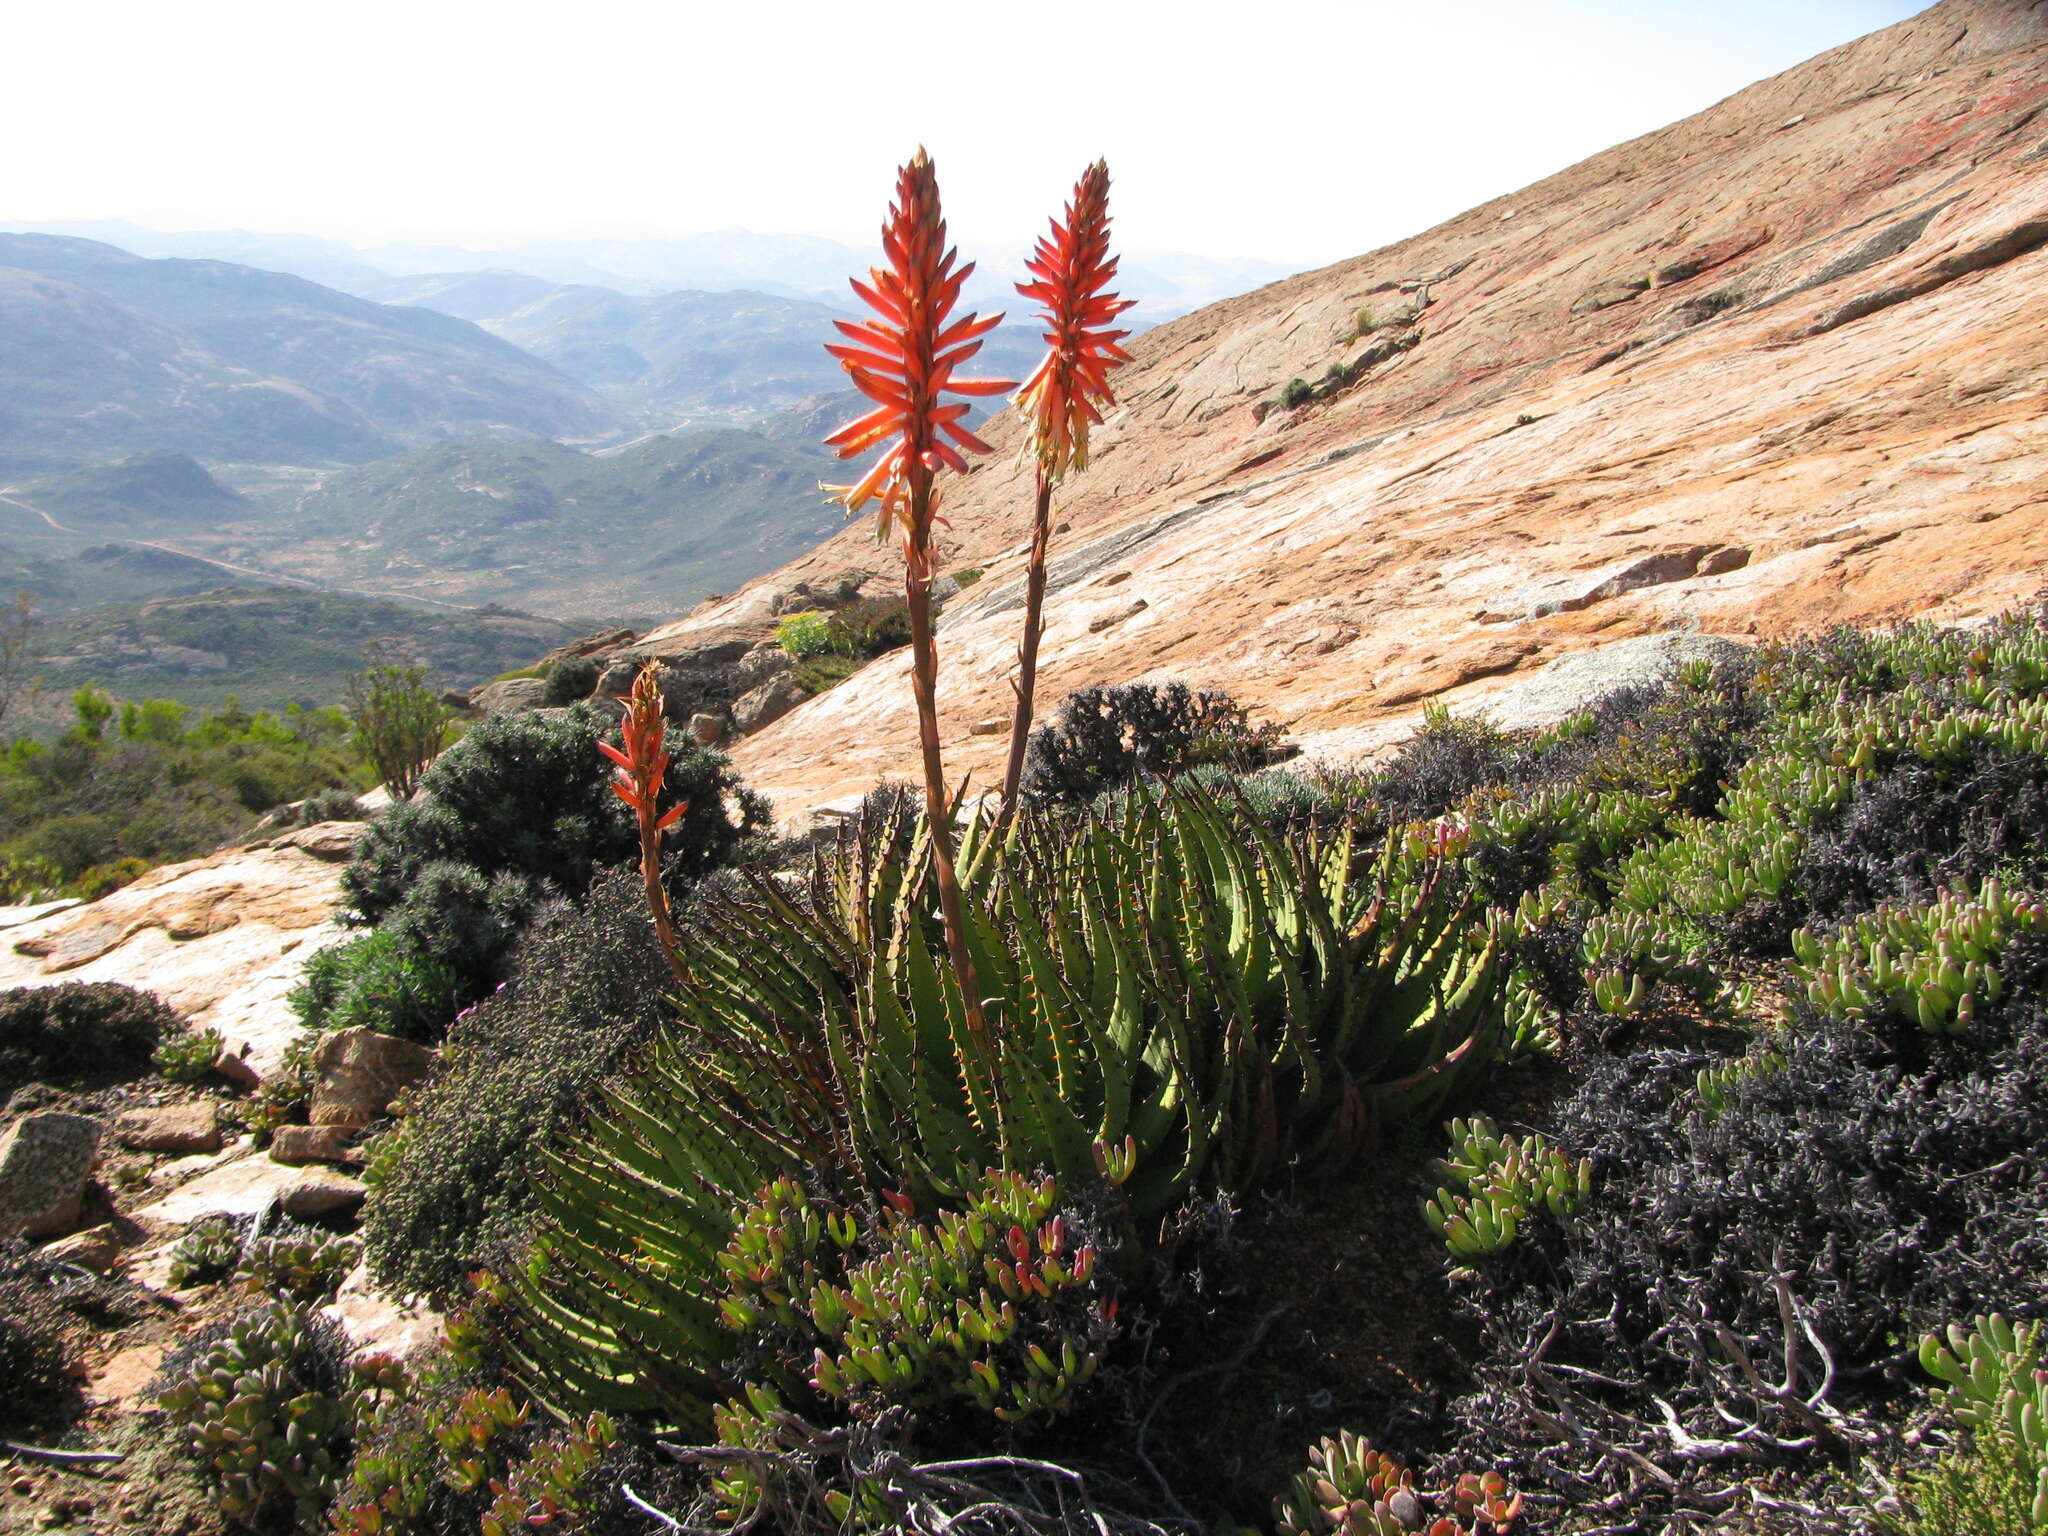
<point>519,810</point>
<point>148,781</point>
<point>453,1183</point>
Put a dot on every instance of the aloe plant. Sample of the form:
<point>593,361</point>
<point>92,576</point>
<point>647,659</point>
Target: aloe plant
<point>1186,1001</point>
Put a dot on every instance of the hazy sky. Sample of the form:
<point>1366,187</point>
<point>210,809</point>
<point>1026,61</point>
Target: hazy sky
<point>1298,130</point>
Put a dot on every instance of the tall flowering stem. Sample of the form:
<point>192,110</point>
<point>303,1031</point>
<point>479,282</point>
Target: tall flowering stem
<point>903,360</point>
<point>1071,271</point>
<point>642,767</point>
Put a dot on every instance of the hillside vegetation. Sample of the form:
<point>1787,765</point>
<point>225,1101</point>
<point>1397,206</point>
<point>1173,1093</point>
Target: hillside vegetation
<point>628,534</point>
<point>272,647</point>
<point>1547,1132</point>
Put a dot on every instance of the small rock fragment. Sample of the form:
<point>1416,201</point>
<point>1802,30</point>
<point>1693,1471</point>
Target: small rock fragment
<point>95,1249</point>
<point>321,1192</point>
<point>299,1144</point>
<point>233,1064</point>
<point>1117,616</point>
<point>177,1128</point>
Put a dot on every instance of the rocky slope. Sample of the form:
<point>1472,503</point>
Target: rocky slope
<point>1777,365</point>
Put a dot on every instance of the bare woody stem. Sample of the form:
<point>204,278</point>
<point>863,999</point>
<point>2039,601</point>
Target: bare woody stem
<point>1027,648</point>
<point>657,896</point>
<point>924,675</point>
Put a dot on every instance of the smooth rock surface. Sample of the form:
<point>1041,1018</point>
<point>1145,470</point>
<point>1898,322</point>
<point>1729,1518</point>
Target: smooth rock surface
<point>221,939</point>
<point>243,1185</point>
<point>1820,341</point>
<point>1582,679</point>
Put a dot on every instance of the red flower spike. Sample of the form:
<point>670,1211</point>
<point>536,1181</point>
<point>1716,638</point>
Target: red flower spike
<point>1072,269</point>
<point>904,361</point>
<point>642,767</point>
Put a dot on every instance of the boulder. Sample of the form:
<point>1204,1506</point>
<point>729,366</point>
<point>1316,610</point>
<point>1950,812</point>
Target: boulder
<point>358,1072</point>
<point>706,729</point>
<point>1580,680</point>
<point>597,644</point>
<point>988,727</point>
<point>45,1161</point>
<point>299,1144</point>
<point>176,1128</point>
<point>95,1249</point>
<point>510,696</point>
<point>764,662</point>
<point>764,705</point>
<point>318,1192</point>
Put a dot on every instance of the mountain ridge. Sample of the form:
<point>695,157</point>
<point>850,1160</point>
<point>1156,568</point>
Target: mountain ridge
<point>232,362</point>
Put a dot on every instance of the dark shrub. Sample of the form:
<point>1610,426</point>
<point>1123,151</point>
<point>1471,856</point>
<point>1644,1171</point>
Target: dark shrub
<point>703,688</point>
<point>34,1380</point>
<point>330,805</point>
<point>453,1184</point>
<point>571,679</point>
<point>1104,737</point>
<point>79,1032</point>
<point>1917,826</point>
<point>868,626</point>
<point>518,810</point>
<point>1443,762</point>
<point>1894,1182</point>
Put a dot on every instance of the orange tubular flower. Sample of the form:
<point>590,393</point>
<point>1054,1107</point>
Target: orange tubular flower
<point>904,359</point>
<point>637,780</point>
<point>1072,269</point>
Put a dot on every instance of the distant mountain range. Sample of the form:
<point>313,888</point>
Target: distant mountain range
<point>625,535</point>
<point>678,359</point>
<point>604,431</point>
<point>1165,284</point>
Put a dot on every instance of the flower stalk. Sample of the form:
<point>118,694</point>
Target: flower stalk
<point>642,768</point>
<point>903,360</point>
<point>1071,270</point>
